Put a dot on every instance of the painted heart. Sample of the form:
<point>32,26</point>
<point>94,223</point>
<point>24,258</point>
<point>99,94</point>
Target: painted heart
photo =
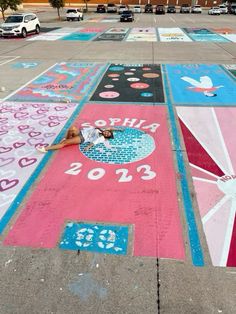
<point>3,120</point>
<point>5,149</point>
<point>34,141</point>
<point>38,105</point>
<point>23,127</point>
<point>6,161</point>
<point>49,134</point>
<point>5,110</point>
<point>6,184</point>
<point>41,145</point>
<point>57,118</point>
<point>3,132</point>
<point>25,162</point>
<point>6,127</point>
<point>40,111</point>
<point>43,122</point>
<point>53,123</point>
<point>34,133</point>
<point>38,116</point>
<point>21,115</point>
<point>18,144</point>
<point>60,108</point>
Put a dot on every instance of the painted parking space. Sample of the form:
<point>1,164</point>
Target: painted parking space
<point>24,126</point>
<point>123,83</point>
<point>201,84</point>
<point>172,34</point>
<point>204,34</point>
<point>63,82</point>
<point>139,185</point>
<point>207,134</point>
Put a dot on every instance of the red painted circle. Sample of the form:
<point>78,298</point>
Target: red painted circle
<point>109,94</point>
<point>139,85</point>
<point>113,75</point>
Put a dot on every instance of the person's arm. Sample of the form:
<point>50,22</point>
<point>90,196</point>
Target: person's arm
<point>88,146</point>
<point>115,129</point>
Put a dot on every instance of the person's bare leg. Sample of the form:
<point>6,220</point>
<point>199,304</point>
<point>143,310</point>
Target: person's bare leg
<point>72,141</point>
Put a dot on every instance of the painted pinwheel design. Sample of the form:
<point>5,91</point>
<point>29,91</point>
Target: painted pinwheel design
<point>211,151</point>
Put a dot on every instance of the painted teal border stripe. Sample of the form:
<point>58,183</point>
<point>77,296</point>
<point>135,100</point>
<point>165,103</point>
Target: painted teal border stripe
<point>194,241</point>
<point>20,196</point>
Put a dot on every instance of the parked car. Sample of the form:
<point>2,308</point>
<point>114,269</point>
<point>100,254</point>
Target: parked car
<point>214,11</point>
<point>122,8</point>
<point>223,9</point>
<point>196,9</point>
<point>232,9</point>
<point>171,9</point>
<point>20,25</point>
<point>111,8</point>
<point>127,16</point>
<point>185,8</point>
<point>101,8</point>
<point>137,9</point>
<point>160,9</point>
<point>74,14</point>
<point>148,8</point>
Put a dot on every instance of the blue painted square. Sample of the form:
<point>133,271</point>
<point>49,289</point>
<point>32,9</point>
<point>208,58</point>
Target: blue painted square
<point>80,36</point>
<point>25,65</point>
<point>201,84</point>
<point>99,238</point>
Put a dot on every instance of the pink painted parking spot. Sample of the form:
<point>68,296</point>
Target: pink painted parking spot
<point>135,190</point>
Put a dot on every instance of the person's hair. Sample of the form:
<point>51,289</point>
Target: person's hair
<point>111,136</point>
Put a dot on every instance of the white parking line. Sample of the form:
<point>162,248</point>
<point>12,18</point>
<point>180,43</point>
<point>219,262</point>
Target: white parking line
<point>12,58</point>
<point>172,19</point>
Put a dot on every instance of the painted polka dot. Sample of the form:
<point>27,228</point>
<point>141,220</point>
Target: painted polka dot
<point>139,85</point>
<point>133,79</point>
<point>113,75</point>
<point>132,69</point>
<point>129,73</point>
<point>151,75</point>
<point>147,94</point>
<point>146,69</point>
<point>116,68</point>
<point>109,94</point>
<point>115,79</point>
<point>109,86</point>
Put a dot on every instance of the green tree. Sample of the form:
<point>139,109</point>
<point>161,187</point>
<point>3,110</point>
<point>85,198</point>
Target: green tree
<point>57,4</point>
<point>8,4</point>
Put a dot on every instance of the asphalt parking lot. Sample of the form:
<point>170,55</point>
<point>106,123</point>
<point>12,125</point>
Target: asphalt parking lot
<point>166,187</point>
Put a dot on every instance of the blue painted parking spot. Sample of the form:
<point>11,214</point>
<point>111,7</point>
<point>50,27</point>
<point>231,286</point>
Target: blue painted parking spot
<point>80,36</point>
<point>201,84</point>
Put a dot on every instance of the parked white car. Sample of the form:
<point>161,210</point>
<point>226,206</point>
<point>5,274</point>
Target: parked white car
<point>122,8</point>
<point>137,9</point>
<point>74,14</point>
<point>223,9</point>
<point>214,11</point>
<point>20,25</point>
<point>196,9</point>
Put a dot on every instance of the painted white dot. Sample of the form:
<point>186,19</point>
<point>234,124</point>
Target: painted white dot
<point>133,79</point>
<point>109,86</point>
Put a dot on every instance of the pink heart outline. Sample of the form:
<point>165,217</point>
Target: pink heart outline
<point>26,161</point>
<point>5,149</point>
<point>6,184</point>
<point>18,144</point>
